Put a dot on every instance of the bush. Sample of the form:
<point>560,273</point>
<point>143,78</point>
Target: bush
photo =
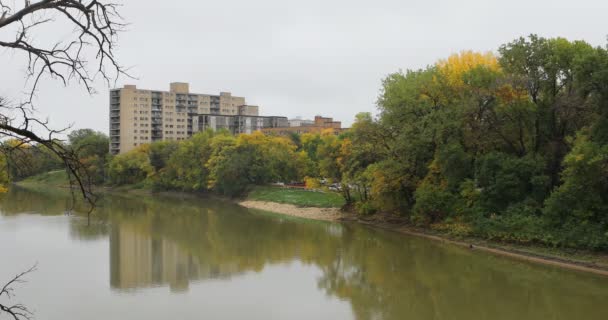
<point>518,228</point>
<point>505,180</point>
<point>433,204</point>
<point>131,167</point>
<point>583,196</point>
<point>453,228</point>
<point>365,208</point>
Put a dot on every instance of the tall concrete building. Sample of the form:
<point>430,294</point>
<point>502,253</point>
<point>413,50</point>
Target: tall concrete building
<point>140,116</point>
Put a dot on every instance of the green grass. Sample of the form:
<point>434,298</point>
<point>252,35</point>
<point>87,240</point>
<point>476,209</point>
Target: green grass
<point>298,197</point>
<point>52,178</point>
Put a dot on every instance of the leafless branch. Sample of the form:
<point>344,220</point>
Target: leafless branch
<point>23,134</point>
<point>17,311</point>
<point>96,25</point>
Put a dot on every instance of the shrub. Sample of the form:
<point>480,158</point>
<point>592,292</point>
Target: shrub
<point>433,204</point>
<point>365,208</point>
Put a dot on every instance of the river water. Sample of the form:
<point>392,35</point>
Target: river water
<point>145,257</point>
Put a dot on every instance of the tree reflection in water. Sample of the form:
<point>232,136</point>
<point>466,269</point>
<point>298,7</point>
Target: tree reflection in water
<point>166,241</point>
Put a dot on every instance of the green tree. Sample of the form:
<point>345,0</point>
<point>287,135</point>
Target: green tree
<point>131,167</point>
<point>92,149</point>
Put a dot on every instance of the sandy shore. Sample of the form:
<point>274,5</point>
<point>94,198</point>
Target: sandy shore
<point>327,214</point>
<point>334,214</point>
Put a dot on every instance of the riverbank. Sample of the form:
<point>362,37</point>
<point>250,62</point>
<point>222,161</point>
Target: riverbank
<point>579,261</point>
<point>301,204</point>
<point>316,213</point>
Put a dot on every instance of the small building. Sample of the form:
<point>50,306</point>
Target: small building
<point>319,125</point>
<point>239,124</point>
<point>299,122</point>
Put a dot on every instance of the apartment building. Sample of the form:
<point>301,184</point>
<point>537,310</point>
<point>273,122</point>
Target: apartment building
<point>140,116</point>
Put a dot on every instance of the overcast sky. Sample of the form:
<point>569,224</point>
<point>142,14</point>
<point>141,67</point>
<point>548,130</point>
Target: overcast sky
<point>301,58</point>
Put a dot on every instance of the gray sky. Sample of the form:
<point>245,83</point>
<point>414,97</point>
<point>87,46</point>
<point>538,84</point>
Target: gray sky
<point>300,58</point>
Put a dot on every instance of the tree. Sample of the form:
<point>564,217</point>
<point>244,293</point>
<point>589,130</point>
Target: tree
<point>252,159</point>
<point>28,159</point>
<point>455,66</point>
<point>185,167</point>
<point>87,143</point>
<point>131,167</point>
<point>4,176</point>
<point>558,81</point>
<point>92,148</point>
<point>16,311</point>
<point>96,24</point>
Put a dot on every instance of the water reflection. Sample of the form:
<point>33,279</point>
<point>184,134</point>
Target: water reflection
<point>174,242</point>
<point>138,260</point>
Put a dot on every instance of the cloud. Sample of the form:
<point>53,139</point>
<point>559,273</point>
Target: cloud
<point>301,57</point>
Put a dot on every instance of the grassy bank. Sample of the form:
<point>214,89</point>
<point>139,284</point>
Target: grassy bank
<point>297,197</point>
<point>52,178</point>
<point>59,178</point>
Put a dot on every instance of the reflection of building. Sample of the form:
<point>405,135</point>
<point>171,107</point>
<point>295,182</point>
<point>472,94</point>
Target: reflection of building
<point>307,126</point>
<point>138,260</point>
<point>139,116</point>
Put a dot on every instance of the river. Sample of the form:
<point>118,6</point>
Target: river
<point>153,257</point>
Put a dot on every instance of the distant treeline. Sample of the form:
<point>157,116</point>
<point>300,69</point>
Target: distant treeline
<point>512,147</point>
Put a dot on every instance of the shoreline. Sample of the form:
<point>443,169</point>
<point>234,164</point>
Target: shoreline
<point>397,225</point>
<point>314,213</point>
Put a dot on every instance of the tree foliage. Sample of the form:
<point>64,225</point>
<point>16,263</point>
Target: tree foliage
<point>511,146</point>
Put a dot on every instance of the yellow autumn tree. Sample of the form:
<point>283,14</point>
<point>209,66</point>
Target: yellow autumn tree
<point>456,65</point>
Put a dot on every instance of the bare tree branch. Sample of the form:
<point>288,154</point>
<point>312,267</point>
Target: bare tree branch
<point>17,311</point>
<point>95,24</point>
<point>23,134</point>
